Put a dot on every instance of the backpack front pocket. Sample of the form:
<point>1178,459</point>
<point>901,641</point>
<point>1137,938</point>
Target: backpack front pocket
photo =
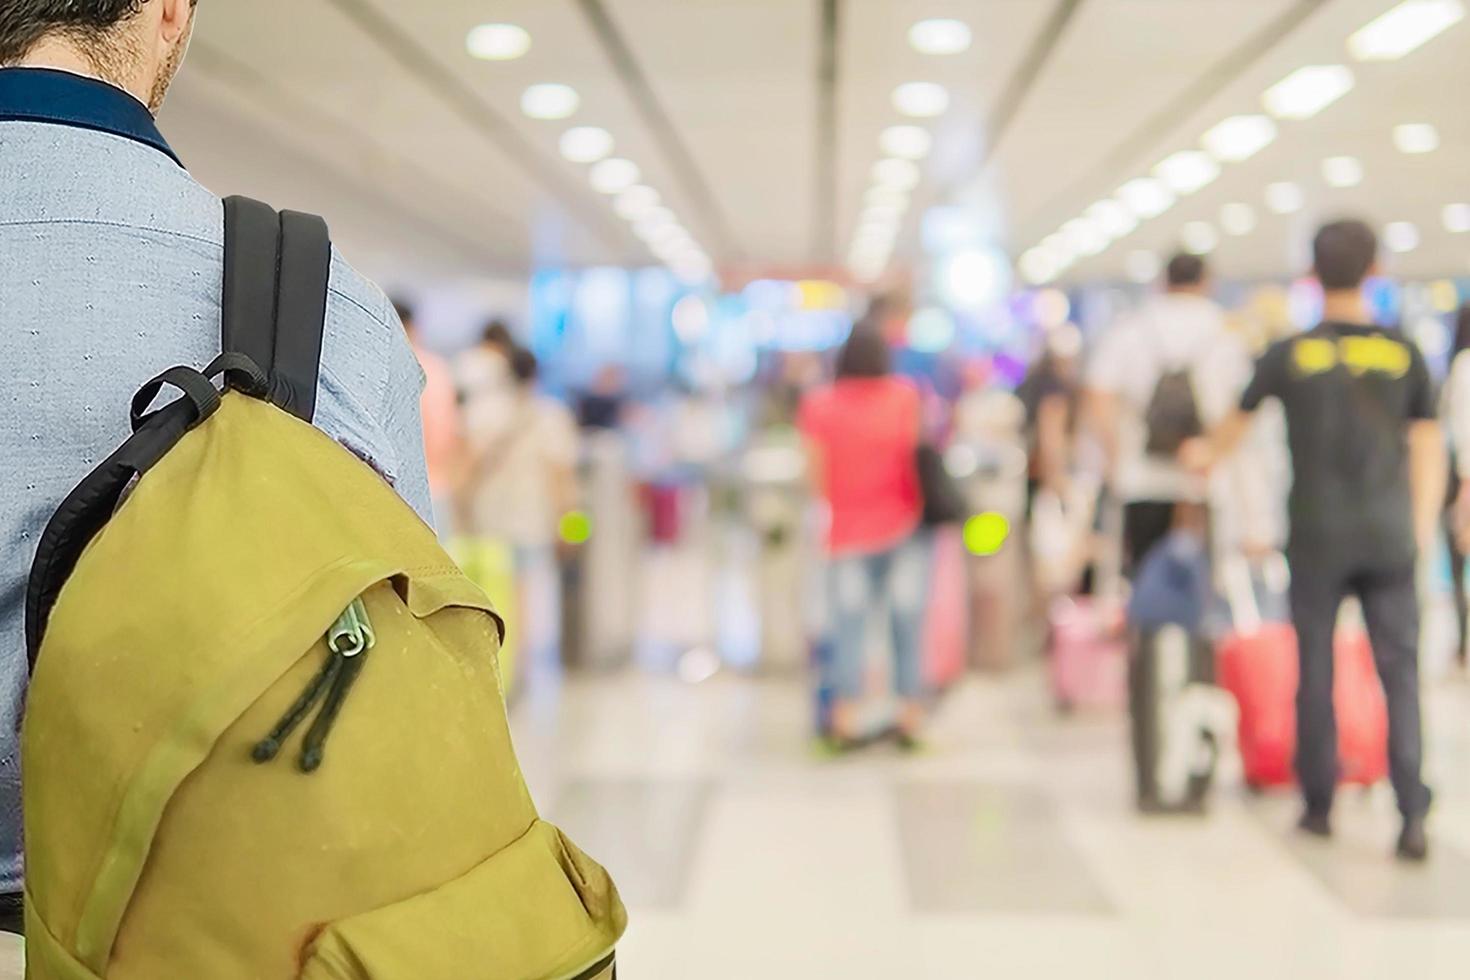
<point>539,909</point>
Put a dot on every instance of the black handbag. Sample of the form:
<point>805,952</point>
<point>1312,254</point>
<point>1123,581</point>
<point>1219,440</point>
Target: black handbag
<point>944,502</point>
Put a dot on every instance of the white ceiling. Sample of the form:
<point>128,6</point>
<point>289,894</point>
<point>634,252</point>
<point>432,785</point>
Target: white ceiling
<point>371,112</point>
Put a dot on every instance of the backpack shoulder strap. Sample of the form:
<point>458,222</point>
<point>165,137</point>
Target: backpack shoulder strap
<point>274,305</point>
<point>274,308</point>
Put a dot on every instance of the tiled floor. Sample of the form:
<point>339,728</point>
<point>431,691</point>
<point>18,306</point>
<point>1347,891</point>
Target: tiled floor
<point>1008,851</point>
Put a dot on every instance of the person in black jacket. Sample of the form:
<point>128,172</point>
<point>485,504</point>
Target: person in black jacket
<point>1370,473</point>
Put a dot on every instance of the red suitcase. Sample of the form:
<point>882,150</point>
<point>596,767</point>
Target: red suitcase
<point>1259,668</point>
<point>1087,654</point>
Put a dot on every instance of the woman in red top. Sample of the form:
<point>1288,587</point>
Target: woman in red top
<point>862,433</point>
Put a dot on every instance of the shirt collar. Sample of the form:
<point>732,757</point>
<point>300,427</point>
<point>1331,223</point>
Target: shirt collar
<point>63,98</point>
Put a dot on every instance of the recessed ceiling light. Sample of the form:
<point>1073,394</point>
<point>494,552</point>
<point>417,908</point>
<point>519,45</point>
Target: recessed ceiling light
<point>883,212</point>
<point>922,100</point>
<point>1200,237</point>
<point>635,202</point>
<point>1401,236</point>
<point>498,42</point>
<point>1056,243</point>
<point>893,172</point>
<point>940,36</point>
<point>1307,91</point>
<point>883,194</point>
<point>1187,171</point>
<point>1038,266</point>
<point>615,175</point>
<point>1084,237</point>
<point>1342,171</point>
<point>1416,138</point>
<point>1146,197</point>
<point>550,101</point>
<point>1240,137</point>
<point>1238,219</point>
<point>908,142</point>
<point>1284,197</point>
<point>1457,218</point>
<point>1116,220</point>
<point>586,144</point>
<point>1405,28</point>
<point>1143,266</point>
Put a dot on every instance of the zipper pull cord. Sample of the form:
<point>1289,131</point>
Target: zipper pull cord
<point>270,746</point>
<point>313,747</point>
<point>350,637</point>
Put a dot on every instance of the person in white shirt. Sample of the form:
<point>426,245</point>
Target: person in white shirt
<point>1456,412</point>
<point>1180,330</point>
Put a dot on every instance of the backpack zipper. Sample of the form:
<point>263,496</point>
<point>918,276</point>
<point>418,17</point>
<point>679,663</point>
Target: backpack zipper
<point>348,641</point>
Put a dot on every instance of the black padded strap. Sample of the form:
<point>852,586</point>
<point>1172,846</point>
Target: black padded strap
<point>275,297</point>
<point>301,311</point>
<point>88,508</point>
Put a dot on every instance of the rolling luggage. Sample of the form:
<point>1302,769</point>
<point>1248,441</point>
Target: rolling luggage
<point>1087,654</point>
<point>1257,664</point>
<point>946,620</point>
<point>1180,721</point>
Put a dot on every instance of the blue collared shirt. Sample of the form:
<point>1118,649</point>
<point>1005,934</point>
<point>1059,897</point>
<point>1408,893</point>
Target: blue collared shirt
<point>111,264</point>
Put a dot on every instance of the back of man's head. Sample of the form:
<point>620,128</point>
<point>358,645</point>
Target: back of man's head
<point>1344,254</point>
<point>113,38</point>
<point>1186,272</point>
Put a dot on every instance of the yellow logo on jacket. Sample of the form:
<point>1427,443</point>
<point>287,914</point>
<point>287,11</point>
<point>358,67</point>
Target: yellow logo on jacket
<point>1360,355</point>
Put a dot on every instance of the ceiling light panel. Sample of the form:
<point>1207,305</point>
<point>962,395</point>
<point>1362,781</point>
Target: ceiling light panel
<point>1188,171</point>
<point>1239,138</point>
<point>921,100</point>
<point>1307,91</point>
<point>1342,171</point>
<point>940,36</point>
<point>1416,138</point>
<point>498,42</point>
<point>1405,28</point>
<point>550,101</point>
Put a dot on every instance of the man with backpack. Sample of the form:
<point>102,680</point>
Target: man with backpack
<point>1157,379</point>
<point>1370,471</point>
<point>111,269</point>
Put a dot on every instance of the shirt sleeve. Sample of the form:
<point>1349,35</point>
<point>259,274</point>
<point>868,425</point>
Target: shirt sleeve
<point>402,421</point>
<point>1269,379</point>
<point>1421,387</point>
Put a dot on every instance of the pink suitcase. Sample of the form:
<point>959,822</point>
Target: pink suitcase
<point>945,619</point>
<point>1087,654</point>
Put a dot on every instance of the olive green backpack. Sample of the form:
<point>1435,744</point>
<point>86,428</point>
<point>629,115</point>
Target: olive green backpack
<point>265,736</point>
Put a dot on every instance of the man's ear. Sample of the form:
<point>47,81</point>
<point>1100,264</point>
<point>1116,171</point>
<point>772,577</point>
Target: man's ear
<point>174,19</point>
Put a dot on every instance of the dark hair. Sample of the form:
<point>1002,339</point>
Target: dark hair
<point>1462,330</point>
<point>1343,253</point>
<point>497,334</point>
<point>1184,270</point>
<point>404,310</point>
<point>524,366</point>
<point>24,23</point>
<point>865,355</point>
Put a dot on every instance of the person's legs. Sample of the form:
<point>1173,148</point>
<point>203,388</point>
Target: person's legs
<point>850,590</point>
<point>1391,612</point>
<point>1457,584</point>
<point>1145,524</point>
<point>1316,595</point>
<point>907,587</point>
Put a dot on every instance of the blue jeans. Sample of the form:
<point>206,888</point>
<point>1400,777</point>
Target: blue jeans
<point>858,583</point>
